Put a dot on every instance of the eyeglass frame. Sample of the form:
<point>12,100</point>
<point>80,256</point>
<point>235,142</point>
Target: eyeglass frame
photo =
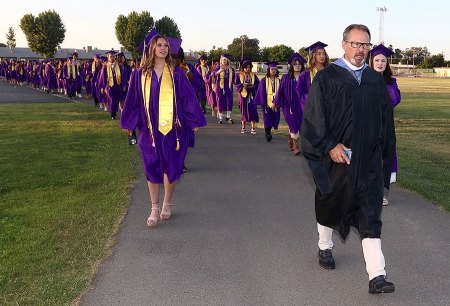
<point>357,45</point>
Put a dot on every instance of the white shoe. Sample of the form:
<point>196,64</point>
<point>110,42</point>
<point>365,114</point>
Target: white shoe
<point>385,201</point>
<point>393,177</point>
<point>253,131</point>
<point>80,96</point>
<point>242,131</point>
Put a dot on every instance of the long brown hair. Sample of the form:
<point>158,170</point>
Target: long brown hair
<point>148,56</point>
<point>312,59</point>
<point>387,73</point>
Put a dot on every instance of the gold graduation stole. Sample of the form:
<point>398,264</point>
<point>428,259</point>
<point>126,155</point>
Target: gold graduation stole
<point>312,74</point>
<point>204,70</point>
<point>166,100</point>
<point>110,74</point>
<point>93,67</point>
<point>271,90</point>
<point>242,77</point>
<point>222,79</point>
<point>69,72</point>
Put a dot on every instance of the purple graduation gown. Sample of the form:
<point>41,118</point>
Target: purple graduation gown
<point>303,85</point>
<point>112,93</point>
<point>163,157</point>
<point>210,90</point>
<point>288,99</point>
<point>247,105</point>
<point>395,97</point>
<point>201,94</point>
<point>224,96</point>
<point>271,117</point>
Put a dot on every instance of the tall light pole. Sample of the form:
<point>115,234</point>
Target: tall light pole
<point>382,10</point>
<point>242,46</point>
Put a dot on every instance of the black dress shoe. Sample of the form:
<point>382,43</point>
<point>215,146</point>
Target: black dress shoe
<point>379,284</point>
<point>326,259</point>
<point>269,137</point>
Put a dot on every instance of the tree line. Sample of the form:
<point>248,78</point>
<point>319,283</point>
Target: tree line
<point>46,31</point>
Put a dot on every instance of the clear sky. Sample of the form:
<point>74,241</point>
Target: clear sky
<point>207,23</point>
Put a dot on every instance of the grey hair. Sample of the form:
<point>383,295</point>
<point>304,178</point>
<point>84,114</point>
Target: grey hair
<point>360,27</point>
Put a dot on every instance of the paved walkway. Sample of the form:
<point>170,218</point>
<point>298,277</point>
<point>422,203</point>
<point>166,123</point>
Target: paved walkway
<point>243,233</point>
<point>24,94</point>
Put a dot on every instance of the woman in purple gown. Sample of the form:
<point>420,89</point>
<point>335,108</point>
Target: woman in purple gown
<point>379,62</point>
<point>162,105</point>
<point>224,79</point>
<point>211,87</point>
<point>288,98</point>
<point>317,60</point>
<point>265,95</point>
<point>246,83</point>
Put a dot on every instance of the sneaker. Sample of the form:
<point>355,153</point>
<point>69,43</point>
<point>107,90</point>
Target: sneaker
<point>242,131</point>
<point>80,96</point>
<point>253,131</point>
<point>393,177</point>
<point>326,259</point>
<point>379,284</point>
<point>230,121</point>
<point>220,121</point>
<point>385,201</point>
<point>268,137</point>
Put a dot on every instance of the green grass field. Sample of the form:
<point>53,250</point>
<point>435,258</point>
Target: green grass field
<point>66,171</point>
<point>422,122</point>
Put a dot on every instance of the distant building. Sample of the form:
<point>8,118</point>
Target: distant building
<point>442,72</point>
<point>402,69</point>
<point>260,67</point>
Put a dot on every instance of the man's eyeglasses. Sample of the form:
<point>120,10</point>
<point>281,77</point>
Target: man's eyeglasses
<point>356,45</point>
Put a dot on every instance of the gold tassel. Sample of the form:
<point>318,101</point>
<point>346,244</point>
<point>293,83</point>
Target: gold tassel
<point>178,145</point>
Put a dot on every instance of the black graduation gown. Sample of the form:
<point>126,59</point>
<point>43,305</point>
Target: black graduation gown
<point>340,110</point>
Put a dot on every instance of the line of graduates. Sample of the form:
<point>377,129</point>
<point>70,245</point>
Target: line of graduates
<point>273,94</point>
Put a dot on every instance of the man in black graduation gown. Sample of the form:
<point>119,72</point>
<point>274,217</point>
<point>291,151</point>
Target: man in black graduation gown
<point>348,139</point>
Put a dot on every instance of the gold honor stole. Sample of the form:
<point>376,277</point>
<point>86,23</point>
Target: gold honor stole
<point>312,74</point>
<point>204,70</point>
<point>166,100</point>
<point>73,71</point>
<point>93,67</point>
<point>110,74</point>
<point>271,91</point>
<point>222,79</point>
<point>241,77</point>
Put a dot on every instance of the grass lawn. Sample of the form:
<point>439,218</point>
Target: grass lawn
<point>422,122</point>
<point>65,175</point>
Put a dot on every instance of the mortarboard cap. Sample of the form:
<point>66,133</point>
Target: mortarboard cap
<point>120,54</point>
<point>271,64</point>
<point>226,55</point>
<point>246,61</point>
<point>103,58</point>
<point>96,55</point>
<point>380,49</point>
<point>296,56</point>
<point>202,57</point>
<point>315,46</point>
<point>111,52</point>
<point>175,43</point>
<point>74,53</point>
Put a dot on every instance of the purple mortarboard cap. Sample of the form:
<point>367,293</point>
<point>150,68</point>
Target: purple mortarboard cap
<point>380,49</point>
<point>74,53</point>
<point>147,39</point>
<point>296,56</point>
<point>226,55</point>
<point>103,58</point>
<point>246,61</point>
<point>175,43</point>
<point>111,52</point>
<point>315,46</point>
<point>202,57</point>
<point>120,54</point>
<point>271,64</point>
<point>96,55</point>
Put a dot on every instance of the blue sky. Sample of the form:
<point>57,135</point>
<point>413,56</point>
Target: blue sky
<point>204,24</point>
